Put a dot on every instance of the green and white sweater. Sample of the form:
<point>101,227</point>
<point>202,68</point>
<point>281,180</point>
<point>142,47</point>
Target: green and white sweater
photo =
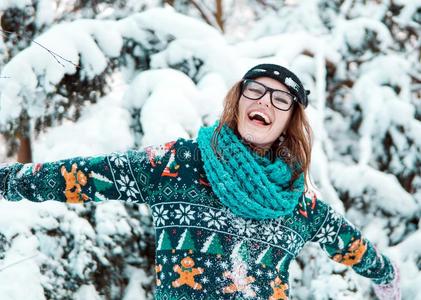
<point>203,250</point>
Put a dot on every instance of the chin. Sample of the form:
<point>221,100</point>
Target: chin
<point>256,136</point>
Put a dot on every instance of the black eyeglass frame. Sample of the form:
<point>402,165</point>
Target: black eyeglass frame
<point>245,81</point>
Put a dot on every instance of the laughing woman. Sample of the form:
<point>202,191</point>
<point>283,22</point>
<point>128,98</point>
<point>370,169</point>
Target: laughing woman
<point>231,208</point>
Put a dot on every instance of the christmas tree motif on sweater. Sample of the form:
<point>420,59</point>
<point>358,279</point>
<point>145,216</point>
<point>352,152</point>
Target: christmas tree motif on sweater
<point>187,273</point>
<point>238,275</point>
<point>186,242</point>
<point>282,265</point>
<point>164,242</point>
<point>75,179</point>
<point>213,245</point>
<point>265,258</point>
<point>101,184</point>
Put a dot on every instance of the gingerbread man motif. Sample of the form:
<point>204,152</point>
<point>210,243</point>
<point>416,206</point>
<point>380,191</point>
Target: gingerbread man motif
<point>241,282</point>
<point>187,273</point>
<point>354,254</point>
<point>279,289</point>
<point>158,268</point>
<point>74,182</point>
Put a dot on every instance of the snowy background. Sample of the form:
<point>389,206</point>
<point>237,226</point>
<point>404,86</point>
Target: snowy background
<point>91,77</point>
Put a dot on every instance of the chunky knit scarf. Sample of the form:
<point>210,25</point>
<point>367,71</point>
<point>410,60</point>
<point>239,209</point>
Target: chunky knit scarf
<point>250,185</point>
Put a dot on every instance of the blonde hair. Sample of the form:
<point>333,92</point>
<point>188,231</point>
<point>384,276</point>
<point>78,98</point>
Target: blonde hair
<point>296,147</point>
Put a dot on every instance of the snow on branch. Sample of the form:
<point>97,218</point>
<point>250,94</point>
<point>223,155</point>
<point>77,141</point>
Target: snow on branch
<point>167,102</point>
<point>375,188</point>
<point>36,74</point>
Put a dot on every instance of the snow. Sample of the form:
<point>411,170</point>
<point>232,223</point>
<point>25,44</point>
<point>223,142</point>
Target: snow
<point>134,289</point>
<point>409,10</point>
<point>19,264</point>
<point>87,292</point>
<point>360,180</point>
<point>110,219</point>
<point>352,32</point>
<point>45,12</point>
<point>53,145</point>
<point>5,4</point>
<point>166,21</point>
<point>171,104</point>
<point>191,67</point>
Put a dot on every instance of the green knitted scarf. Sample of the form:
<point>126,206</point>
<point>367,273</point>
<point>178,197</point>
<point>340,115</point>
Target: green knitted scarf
<point>250,185</point>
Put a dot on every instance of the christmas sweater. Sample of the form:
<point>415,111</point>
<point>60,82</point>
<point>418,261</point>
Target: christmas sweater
<point>203,251</point>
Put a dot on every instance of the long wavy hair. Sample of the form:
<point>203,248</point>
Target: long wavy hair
<point>298,137</point>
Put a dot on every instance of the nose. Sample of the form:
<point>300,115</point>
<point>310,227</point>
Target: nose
<point>265,100</point>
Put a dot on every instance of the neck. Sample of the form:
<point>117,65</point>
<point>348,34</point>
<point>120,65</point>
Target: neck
<point>262,151</point>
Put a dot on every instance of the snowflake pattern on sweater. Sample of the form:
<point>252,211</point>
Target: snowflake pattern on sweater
<point>203,251</point>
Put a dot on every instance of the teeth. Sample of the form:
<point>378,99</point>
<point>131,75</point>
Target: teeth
<point>253,113</point>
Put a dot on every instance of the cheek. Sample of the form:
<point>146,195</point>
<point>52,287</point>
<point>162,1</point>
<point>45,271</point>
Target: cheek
<point>242,108</point>
<point>282,119</point>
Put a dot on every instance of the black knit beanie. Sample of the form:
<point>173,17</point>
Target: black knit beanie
<point>284,76</point>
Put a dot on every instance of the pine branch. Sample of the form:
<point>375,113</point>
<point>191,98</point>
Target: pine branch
<point>6,33</point>
<point>18,262</point>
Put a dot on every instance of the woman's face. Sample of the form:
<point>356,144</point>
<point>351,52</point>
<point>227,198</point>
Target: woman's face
<point>256,131</point>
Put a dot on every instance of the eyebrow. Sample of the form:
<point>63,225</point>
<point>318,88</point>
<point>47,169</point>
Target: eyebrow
<point>287,90</point>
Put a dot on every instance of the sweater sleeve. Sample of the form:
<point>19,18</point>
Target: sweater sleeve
<point>129,176</point>
<point>345,244</point>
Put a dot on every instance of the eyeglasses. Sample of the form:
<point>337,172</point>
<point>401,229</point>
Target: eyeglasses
<point>255,90</point>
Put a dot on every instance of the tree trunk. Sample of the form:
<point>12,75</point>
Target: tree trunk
<point>25,152</point>
<point>219,15</point>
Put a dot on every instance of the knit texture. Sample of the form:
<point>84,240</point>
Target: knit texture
<point>249,184</point>
<point>203,251</point>
<point>392,290</point>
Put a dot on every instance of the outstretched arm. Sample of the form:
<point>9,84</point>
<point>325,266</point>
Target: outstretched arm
<point>344,243</point>
<point>127,176</point>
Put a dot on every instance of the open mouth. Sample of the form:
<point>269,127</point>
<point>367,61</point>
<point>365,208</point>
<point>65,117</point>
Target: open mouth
<point>259,118</point>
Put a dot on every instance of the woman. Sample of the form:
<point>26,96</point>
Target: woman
<point>230,208</point>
